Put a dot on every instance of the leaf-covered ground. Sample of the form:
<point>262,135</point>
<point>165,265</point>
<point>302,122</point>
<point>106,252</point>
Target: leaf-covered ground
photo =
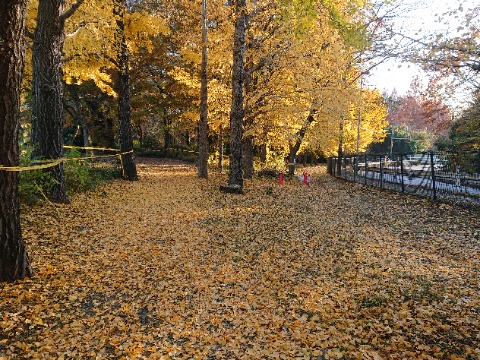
<point>170,268</point>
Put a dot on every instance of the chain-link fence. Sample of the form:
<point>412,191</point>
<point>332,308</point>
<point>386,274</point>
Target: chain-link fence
<point>452,176</point>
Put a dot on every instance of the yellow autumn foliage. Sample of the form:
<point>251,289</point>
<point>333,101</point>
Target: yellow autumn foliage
<point>169,267</point>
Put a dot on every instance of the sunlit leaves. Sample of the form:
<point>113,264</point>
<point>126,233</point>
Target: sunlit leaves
<point>170,267</point>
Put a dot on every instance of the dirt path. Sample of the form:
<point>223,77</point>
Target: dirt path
<point>170,268</point>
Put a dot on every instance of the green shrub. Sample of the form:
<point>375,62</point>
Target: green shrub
<point>32,183</point>
<point>82,175</point>
<point>151,142</point>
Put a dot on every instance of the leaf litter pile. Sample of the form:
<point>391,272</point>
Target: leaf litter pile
<point>171,268</point>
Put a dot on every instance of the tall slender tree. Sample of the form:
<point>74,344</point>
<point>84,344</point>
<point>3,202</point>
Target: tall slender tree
<point>203,124</point>
<point>235,179</point>
<point>125,136</point>
<point>14,262</point>
<point>47,88</point>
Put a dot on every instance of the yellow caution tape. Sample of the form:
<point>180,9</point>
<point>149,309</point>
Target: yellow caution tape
<point>45,164</point>
<point>32,167</point>
<point>98,156</point>
<point>89,148</point>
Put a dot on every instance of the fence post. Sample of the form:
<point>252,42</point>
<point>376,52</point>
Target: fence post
<point>401,172</point>
<point>381,172</point>
<point>366,168</point>
<point>433,176</point>
<point>355,169</point>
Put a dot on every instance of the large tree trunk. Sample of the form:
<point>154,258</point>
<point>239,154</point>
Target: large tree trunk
<point>125,137</point>
<point>235,179</point>
<point>247,150</point>
<point>247,159</point>
<point>14,262</point>
<point>295,146</point>
<point>47,89</point>
<point>203,124</point>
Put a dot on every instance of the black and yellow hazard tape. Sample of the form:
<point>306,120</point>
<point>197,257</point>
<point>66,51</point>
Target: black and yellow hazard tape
<point>45,164</point>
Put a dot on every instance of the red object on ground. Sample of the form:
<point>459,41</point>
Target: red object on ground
<point>280,180</point>
<point>306,178</point>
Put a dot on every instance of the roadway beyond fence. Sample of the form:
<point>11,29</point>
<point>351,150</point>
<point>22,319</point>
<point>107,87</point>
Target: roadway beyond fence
<point>450,176</point>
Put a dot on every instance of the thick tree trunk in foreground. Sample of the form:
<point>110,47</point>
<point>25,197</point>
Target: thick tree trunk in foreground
<point>125,137</point>
<point>14,262</point>
<point>47,89</point>
<point>235,179</point>
<point>203,124</point>
<point>298,142</point>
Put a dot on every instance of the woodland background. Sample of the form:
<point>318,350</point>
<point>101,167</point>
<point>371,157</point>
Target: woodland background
<point>293,69</point>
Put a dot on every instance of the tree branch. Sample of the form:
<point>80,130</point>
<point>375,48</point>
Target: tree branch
<point>74,32</point>
<point>71,11</point>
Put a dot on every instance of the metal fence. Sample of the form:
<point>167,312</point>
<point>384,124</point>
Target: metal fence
<point>452,176</point>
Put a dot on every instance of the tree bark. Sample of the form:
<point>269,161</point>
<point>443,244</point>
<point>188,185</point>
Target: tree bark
<point>298,142</point>
<point>263,153</point>
<point>247,159</point>
<point>235,178</point>
<point>125,137</point>
<point>203,124</point>
<point>247,154</point>
<point>14,262</point>
<point>47,90</point>
<point>167,136</point>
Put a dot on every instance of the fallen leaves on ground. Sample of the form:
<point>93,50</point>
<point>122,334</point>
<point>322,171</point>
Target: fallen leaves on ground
<point>171,268</point>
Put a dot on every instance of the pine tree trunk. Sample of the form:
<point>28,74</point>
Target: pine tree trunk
<point>47,90</point>
<point>14,262</point>
<point>235,178</point>
<point>125,137</point>
<point>203,124</point>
